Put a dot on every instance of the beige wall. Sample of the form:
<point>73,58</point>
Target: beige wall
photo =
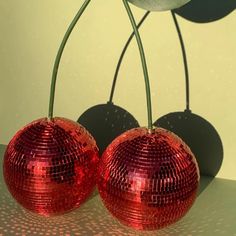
<point>31,32</point>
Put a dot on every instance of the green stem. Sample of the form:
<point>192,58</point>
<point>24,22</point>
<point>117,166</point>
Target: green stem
<point>59,55</point>
<point>144,64</point>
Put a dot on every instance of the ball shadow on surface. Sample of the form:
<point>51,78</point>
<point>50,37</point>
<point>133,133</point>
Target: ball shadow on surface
<point>200,136</point>
<point>204,11</point>
<point>105,122</point>
<point>204,183</point>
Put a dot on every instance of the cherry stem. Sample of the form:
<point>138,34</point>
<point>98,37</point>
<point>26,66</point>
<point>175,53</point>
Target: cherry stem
<point>59,55</point>
<point>144,64</point>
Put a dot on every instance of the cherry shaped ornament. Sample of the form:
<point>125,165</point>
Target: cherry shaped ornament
<point>148,177</point>
<point>148,180</point>
<point>50,164</point>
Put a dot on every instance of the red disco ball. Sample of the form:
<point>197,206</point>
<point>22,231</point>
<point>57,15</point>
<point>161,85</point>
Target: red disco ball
<point>148,180</point>
<point>50,166</point>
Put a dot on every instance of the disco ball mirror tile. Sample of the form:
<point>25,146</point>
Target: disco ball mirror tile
<point>159,5</point>
<point>148,180</point>
<point>50,166</point>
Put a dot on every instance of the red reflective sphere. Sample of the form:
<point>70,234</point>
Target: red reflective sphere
<point>148,180</point>
<point>50,166</point>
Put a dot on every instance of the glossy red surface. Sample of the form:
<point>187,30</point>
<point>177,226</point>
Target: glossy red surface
<point>50,166</point>
<point>148,180</point>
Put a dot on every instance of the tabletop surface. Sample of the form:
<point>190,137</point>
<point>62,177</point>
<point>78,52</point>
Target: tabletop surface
<point>214,213</point>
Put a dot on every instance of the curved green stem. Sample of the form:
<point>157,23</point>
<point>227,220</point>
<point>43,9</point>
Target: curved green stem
<point>58,57</point>
<point>144,64</point>
<point>122,56</point>
<point>184,60</point>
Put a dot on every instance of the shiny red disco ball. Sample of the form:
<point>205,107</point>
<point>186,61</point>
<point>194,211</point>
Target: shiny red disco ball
<point>148,180</point>
<point>50,166</point>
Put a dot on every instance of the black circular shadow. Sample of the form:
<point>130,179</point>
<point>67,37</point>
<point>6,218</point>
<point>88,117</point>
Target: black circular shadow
<point>204,11</point>
<point>105,122</point>
<point>200,136</point>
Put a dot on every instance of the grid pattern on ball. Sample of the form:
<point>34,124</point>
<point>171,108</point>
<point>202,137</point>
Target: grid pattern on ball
<point>148,180</point>
<point>50,165</point>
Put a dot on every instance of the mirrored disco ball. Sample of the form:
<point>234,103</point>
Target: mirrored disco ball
<point>159,5</point>
<point>148,180</point>
<point>50,166</point>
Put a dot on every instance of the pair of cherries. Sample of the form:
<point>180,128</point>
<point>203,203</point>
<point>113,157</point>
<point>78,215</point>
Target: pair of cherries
<point>147,179</point>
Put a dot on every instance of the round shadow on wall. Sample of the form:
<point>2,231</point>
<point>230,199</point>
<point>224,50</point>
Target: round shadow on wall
<point>199,135</point>
<point>105,122</point>
<point>204,11</point>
